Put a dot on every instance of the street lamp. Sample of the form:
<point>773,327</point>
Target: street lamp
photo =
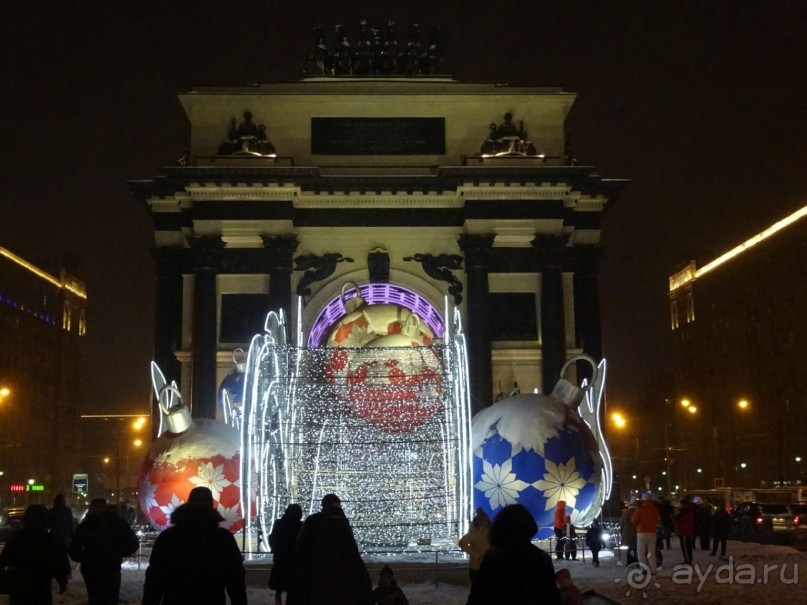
<point>743,404</point>
<point>137,424</point>
<point>619,420</point>
<point>4,392</point>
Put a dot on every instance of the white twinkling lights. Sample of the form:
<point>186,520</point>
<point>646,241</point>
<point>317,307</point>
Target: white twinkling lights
<point>388,431</point>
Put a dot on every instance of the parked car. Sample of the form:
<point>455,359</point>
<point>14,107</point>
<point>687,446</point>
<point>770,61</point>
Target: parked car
<point>10,520</point>
<point>790,520</point>
<point>751,519</point>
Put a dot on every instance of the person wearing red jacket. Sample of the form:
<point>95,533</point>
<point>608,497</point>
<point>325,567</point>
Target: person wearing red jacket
<point>560,529</point>
<point>685,528</point>
<point>645,520</point>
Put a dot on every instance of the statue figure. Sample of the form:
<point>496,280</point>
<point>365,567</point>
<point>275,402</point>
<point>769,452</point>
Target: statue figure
<point>491,144</point>
<point>412,55</point>
<point>319,52</point>
<point>316,268</point>
<point>363,55</point>
<point>508,139</point>
<point>247,128</point>
<point>433,56</point>
<point>507,128</point>
<point>341,63</point>
<point>389,56</point>
<point>247,137</point>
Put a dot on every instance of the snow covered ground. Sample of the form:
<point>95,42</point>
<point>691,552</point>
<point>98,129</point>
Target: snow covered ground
<point>754,575</point>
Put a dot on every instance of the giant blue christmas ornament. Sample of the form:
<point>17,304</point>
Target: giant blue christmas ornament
<point>536,450</point>
<point>231,390</point>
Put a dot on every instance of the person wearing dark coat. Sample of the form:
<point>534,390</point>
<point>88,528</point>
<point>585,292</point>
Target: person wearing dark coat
<point>329,567</point>
<point>37,558</point>
<point>282,542</point>
<point>195,560</point>
<point>61,522</point>
<point>514,571</point>
<point>62,525</point>
<point>594,541</point>
<point>721,524</point>
<point>703,523</point>
<point>99,544</point>
<point>388,592</point>
<point>667,511</point>
<point>685,528</point>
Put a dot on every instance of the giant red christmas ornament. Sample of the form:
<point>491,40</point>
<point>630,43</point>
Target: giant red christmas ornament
<point>206,454</point>
<point>398,391</point>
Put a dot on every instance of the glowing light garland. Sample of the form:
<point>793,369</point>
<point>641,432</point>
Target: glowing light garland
<point>395,447</point>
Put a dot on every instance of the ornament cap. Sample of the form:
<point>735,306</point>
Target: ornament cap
<point>568,393</point>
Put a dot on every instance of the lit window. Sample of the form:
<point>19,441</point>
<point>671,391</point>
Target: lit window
<point>674,315</point>
<point>690,307</point>
<point>66,317</point>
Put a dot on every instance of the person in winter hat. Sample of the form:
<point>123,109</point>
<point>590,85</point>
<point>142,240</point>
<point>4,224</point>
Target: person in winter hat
<point>36,557</point>
<point>594,541</point>
<point>628,532</point>
<point>559,525</point>
<point>195,560</point>
<point>514,571</point>
<point>388,592</point>
<point>329,567</point>
<point>645,520</point>
<point>99,544</point>
<point>282,542</point>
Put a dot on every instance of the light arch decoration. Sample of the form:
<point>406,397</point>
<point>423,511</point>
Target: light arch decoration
<point>375,293</point>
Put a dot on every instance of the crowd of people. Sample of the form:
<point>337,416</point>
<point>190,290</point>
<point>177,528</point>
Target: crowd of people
<point>317,560</point>
<point>647,526</point>
<point>41,550</point>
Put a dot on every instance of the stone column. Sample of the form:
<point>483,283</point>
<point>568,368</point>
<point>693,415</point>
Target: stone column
<point>167,316</point>
<point>549,251</point>
<point>477,251</point>
<point>278,258</point>
<point>587,305</point>
<point>205,256</point>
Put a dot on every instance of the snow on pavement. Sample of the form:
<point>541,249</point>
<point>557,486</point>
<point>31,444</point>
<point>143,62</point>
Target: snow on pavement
<point>754,574</point>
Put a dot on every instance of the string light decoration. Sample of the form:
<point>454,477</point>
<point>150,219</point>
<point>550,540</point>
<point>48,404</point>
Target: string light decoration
<point>389,432</point>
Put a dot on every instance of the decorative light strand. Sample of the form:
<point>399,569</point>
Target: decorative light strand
<point>389,432</point>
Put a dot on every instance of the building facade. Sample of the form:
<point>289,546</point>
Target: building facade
<point>740,342</point>
<point>424,191</point>
<point>42,321</point>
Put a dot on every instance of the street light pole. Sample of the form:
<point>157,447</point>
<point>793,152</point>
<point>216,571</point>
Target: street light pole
<point>667,457</point>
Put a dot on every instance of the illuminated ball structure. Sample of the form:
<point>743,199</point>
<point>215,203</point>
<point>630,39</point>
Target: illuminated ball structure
<point>389,376</point>
<point>534,450</point>
<point>207,455</point>
<point>398,391</point>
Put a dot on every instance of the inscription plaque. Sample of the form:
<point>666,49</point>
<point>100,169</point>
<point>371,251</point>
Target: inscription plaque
<point>378,136</point>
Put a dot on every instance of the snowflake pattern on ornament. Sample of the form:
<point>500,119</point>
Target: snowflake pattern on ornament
<point>232,515</point>
<point>500,484</point>
<point>212,478</point>
<point>560,482</point>
<point>148,494</point>
<point>169,508</point>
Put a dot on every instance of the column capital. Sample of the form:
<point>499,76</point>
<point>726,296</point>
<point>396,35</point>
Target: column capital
<point>205,251</point>
<point>477,249</point>
<point>279,251</point>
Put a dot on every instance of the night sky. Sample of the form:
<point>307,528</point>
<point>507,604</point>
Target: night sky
<point>700,104</point>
